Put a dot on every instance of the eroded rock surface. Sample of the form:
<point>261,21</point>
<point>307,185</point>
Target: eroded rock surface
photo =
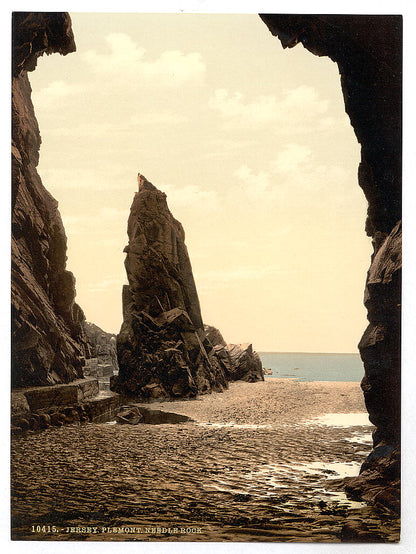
<point>38,408</point>
<point>48,339</point>
<point>162,347</point>
<point>379,479</point>
<point>103,352</point>
<point>241,361</point>
<point>246,363</point>
<point>368,51</point>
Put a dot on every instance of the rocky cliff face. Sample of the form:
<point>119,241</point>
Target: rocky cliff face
<point>162,347</point>
<point>48,342</point>
<point>242,362</point>
<point>103,351</point>
<point>368,51</point>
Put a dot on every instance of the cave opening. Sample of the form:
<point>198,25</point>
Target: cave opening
<point>254,150</point>
<point>237,210</point>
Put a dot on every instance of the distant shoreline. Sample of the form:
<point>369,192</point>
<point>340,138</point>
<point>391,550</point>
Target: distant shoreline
<point>310,353</point>
<point>314,366</point>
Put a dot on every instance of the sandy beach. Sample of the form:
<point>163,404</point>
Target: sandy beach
<point>255,464</point>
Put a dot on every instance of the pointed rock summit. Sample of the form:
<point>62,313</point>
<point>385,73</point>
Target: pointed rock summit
<point>163,349</point>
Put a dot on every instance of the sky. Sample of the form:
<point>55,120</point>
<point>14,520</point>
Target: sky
<point>254,150</point>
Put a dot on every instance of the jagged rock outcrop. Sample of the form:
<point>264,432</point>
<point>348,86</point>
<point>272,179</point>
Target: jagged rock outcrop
<point>379,479</point>
<point>37,33</point>
<point>162,346</point>
<point>246,363</point>
<point>380,344</point>
<point>242,362</point>
<point>103,351</point>
<point>368,51</point>
<point>48,342</point>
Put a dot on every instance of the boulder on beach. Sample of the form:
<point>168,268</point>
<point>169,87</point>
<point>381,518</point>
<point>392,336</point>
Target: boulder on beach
<point>129,415</point>
<point>242,362</point>
<point>246,363</point>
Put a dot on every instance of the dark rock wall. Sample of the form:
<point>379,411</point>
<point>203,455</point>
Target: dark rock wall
<point>380,344</point>
<point>162,347</point>
<point>368,51</point>
<point>48,342</point>
<point>165,279</point>
<point>242,362</point>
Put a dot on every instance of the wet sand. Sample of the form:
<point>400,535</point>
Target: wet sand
<point>255,464</point>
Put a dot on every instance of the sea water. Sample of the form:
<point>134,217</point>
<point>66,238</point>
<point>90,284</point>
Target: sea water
<point>306,366</point>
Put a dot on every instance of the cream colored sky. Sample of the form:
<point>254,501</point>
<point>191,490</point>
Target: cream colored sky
<point>251,145</point>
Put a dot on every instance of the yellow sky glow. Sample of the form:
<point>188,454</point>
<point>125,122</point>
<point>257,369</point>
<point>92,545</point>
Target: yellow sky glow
<point>252,145</point>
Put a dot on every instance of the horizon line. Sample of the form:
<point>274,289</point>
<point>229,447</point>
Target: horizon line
<point>301,352</point>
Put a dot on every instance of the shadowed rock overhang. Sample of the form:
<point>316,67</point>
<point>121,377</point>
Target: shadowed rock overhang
<point>368,52</point>
<point>48,340</point>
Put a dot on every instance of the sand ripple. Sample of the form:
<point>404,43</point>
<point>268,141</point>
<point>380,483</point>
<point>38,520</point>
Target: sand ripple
<point>247,469</point>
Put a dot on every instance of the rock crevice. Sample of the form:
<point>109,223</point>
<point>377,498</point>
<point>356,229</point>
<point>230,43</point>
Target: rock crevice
<point>48,340</point>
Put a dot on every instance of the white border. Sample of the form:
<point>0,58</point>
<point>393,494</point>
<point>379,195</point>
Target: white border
<point>405,8</point>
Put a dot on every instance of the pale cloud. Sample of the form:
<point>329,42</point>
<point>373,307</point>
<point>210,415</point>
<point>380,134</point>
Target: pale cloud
<point>305,98</point>
<point>294,107</point>
<point>73,222</point>
<point>82,224</point>
<point>158,118</point>
<point>294,168</point>
<point>99,130</point>
<point>90,130</point>
<point>222,147</point>
<point>190,196</point>
<point>107,213</point>
<point>261,110</point>
<point>61,88</point>
<point>99,177</point>
<point>297,166</point>
<point>104,285</point>
<point>56,91</point>
<point>127,60</point>
<point>292,157</point>
<point>252,184</point>
<point>224,278</point>
<point>333,174</point>
<point>328,122</point>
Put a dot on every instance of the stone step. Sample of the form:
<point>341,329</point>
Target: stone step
<point>104,406</point>
<point>38,398</point>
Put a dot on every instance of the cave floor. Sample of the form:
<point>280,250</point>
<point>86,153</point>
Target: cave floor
<point>248,468</point>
